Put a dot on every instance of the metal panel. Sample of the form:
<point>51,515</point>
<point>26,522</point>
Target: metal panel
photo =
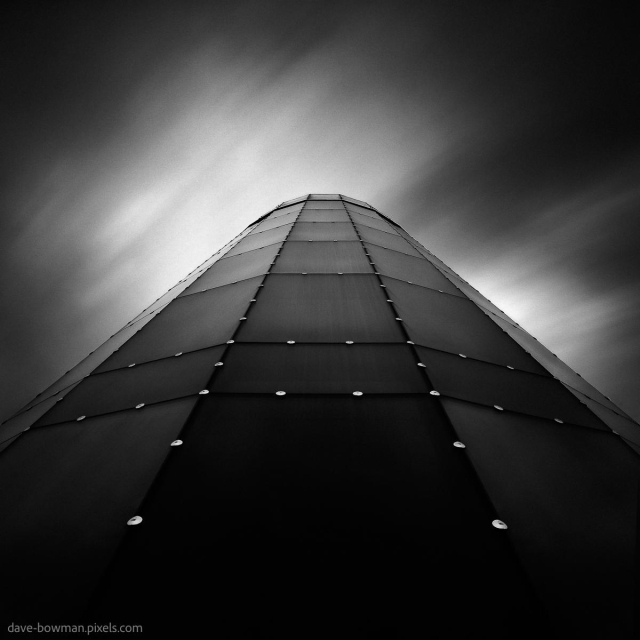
<point>320,308</point>
<point>569,497</point>
<point>65,517</point>
<point>322,257</point>
<point>373,222</point>
<point>236,268</point>
<point>256,240</point>
<point>192,322</point>
<point>512,390</point>
<point>454,324</point>
<point>127,388</point>
<point>272,222</point>
<point>318,231</point>
<point>409,268</point>
<point>387,240</point>
<point>324,215</point>
<point>346,500</point>
<point>320,368</point>
<point>553,364</point>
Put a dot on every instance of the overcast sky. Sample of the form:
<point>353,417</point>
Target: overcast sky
<point>138,138</point>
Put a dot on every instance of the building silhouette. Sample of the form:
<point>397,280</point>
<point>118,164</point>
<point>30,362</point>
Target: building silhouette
<point>323,431</point>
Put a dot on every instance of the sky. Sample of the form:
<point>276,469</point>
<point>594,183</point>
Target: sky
<point>139,137</point>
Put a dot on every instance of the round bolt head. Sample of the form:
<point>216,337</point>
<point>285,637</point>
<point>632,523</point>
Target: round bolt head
<point>203,392</point>
<point>357,393</point>
<point>498,524</point>
<point>139,406</point>
<point>434,393</point>
<point>176,443</point>
<point>281,393</point>
<point>230,341</point>
<point>243,318</point>
<point>559,421</point>
<point>178,354</point>
<point>133,364</point>
<point>135,520</point>
<point>462,355</point>
<point>80,418</point>
<point>410,342</point>
<point>399,319</point>
<point>421,364</point>
<point>510,367</point>
<point>291,341</point>
<point>218,364</point>
<point>459,445</point>
<point>498,407</point>
<point>252,300</point>
<point>349,342</point>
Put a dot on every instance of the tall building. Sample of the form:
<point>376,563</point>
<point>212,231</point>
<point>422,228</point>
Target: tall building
<point>323,431</point>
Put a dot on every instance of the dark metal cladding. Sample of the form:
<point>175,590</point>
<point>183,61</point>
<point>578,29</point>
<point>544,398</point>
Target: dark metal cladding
<point>323,431</point>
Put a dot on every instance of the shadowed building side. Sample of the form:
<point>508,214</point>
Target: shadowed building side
<point>323,429</point>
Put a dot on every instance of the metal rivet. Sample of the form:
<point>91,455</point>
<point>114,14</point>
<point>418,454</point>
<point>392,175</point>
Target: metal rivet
<point>498,524</point>
<point>80,418</point>
<point>252,300</point>
<point>176,443</point>
<point>383,285</point>
<point>357,393</point>
<point>462,355</point>
<point>26,429</point>
<point>178,354</point>
<point>410,342</point>
<point>133,364</point>
<point>281,393</point>
<point>134,520</point>
<point>377,273</point>
<point>139,406</point>
<point>559,421</point>
<point>400,319</point>
<point>203,392</point>
<point>243,318</point>
<point>261,285</point>
<point>434,393</point>
<point>349,342</point>
<point>420,364</point>
<point>230,341</point>
<point>59,399</point>
<point>218,364</point>
<point>498,407</point>
<point>389,300</point>
<point>612,431</point>
<point>304,273</point>
<point>291,341</point>
<point>340,273</point>
<point>512,369</point>
<point>459,445</point>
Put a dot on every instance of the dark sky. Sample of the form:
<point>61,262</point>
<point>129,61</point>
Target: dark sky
<point>139,137</point>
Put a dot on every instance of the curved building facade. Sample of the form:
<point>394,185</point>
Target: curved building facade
<point>323,431</point>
